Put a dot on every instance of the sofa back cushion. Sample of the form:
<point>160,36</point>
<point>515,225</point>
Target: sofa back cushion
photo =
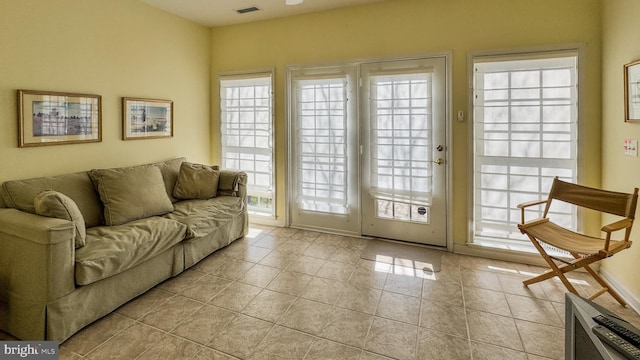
<point>170,170</point>
<point>20,194</point>
<point>131,193</point>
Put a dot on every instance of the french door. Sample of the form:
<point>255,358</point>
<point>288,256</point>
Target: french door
<point>404,151</point>
<point>378,169</point>
<point>323,149</point>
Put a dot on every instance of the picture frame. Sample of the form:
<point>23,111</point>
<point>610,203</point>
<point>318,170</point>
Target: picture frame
<point>632,92</point>
<point>146,118</point>
<point>57,118</point>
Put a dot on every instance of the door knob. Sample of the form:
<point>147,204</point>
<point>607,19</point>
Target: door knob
<point>439,161</point>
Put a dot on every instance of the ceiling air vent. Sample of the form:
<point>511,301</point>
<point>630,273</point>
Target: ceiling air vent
<point>247,10</point>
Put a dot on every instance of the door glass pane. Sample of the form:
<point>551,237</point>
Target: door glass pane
<point>402,211</point>
<point>321,118</point>
<point>401,131</point>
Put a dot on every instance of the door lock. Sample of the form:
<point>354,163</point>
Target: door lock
<point>439,148</point>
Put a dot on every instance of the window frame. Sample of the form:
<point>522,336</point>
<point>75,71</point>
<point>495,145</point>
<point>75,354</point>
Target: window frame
<point>247,75</point>
<point>319,84</point>
<point>347,223</point>
<point>577,49</point>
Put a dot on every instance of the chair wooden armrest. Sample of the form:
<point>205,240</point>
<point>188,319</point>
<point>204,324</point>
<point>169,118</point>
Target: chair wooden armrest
<point>531,203</point>
<point>618,225</point>
<point>527,204</point>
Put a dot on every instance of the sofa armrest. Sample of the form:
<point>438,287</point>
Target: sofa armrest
<point>233,183</point>
<point>37,257</point>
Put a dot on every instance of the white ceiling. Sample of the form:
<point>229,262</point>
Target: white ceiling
<point>223,12</point>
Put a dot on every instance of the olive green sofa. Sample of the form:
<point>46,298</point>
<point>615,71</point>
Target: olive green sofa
<point>75,247</point>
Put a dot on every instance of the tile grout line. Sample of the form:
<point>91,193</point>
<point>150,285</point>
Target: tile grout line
<point>375,311</point>
<point>466,313</point>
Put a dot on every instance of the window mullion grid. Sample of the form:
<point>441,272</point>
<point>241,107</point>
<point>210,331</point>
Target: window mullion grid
<point>524,126</point>
<point>510,139</point>
<point>324,165</point>
<point>240,127</point>
<point>541,125</point>
<point>315,141</point>
<point>393,141</point>
<point>413,112</point>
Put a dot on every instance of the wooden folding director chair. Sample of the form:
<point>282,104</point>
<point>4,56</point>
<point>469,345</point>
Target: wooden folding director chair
<point>585,249</point>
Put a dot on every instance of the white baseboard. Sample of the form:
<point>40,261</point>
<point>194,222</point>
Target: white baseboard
<point>326,231</point>
<point>632,300</point>
<point>265,220</point>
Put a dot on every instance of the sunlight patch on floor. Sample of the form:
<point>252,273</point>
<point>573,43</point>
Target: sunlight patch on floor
<point>405,267</point>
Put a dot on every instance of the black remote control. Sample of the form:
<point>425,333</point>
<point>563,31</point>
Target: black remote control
<point>617,342</point>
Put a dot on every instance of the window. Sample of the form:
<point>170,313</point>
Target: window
<point>321,120</point>
<point>246,124</point>
<point>525,133</point>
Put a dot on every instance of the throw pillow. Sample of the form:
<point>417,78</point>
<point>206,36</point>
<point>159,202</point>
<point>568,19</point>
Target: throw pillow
<point>54,204</point>
<point>196,181</point>
<point>228,184</point>
<point>131,193</point>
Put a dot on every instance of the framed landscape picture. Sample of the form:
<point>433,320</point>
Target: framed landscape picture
<point>55,118</point>
<point>146,118</point>
<point>632,92</point>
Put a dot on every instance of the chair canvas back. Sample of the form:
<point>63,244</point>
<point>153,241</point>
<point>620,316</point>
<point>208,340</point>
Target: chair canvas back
<point>617,203</point>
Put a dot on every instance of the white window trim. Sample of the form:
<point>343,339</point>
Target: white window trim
<point>258,217</point>
<point>507,250</point>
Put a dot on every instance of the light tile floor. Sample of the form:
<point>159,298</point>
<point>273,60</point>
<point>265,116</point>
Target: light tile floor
<point>290,294</point>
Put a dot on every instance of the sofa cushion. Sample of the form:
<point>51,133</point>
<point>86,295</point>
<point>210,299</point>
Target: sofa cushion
<point>54,204</point>
<point>131,193</point>
<point>19,194</point>
<point>111,250</point>
<point>170,170</point>
<point>196,181</point>
<point>205,216</point>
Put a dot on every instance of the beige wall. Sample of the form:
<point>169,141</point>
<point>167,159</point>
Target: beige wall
<point>112,48</point>
<point>408,27</point>
<point>619,172</point>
